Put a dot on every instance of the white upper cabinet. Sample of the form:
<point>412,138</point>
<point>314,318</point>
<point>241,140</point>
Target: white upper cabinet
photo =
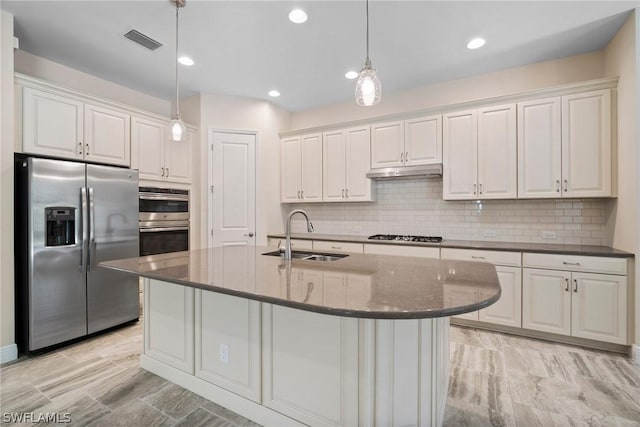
<point>586,144</point>
<point>406,142</point>
<point>564,146</point>
<point>459,155</point>
<point>301,169</point>
<point>107,134</point>
<point>346,155</point>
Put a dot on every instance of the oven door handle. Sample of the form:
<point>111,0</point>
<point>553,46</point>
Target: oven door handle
<point>157,229</point>
<point>171,197</point>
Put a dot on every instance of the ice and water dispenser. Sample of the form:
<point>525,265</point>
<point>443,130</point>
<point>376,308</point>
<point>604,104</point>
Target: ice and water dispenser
<point>61,226</point>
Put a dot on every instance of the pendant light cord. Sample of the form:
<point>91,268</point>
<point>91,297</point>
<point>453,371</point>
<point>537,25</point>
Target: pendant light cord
<point>177,85</point>
<point>367,61</point>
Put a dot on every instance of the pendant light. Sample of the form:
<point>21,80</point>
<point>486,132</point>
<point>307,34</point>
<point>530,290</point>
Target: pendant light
<point>177,127</point>
<point>368,87</point>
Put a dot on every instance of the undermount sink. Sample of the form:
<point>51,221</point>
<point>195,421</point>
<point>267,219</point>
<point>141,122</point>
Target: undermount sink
<point>310,256</point>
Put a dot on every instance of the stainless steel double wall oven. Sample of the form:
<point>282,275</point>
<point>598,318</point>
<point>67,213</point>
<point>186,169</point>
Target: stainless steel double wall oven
<point>163,220</point>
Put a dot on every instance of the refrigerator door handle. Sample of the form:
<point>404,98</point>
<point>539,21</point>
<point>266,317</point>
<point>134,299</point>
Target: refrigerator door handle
<point>84,227</point>
<point>92,231</point>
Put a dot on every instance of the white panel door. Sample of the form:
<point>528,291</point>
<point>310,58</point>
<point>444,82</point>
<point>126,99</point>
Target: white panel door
<point>233,179</point>
<point>107,135</point>
<point>290,170</point>
<point>311,187</point>
<point>387,144</point>
<point>497,152</point>
<point>52,124</point>
<point>147,137</point>
<point>459,155</point>
<point>599,307</point>
<point>508,309</point>
<point>539,149</point>
<point>334,166</point>
<point>586,144</point>
<point>358,161</point>
<point>177,159</point>
<point>546,301</point>
<point>423,140</point>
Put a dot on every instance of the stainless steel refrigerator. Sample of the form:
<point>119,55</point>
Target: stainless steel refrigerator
<point>69,217</point>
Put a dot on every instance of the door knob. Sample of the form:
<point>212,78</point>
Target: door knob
<point>250,234</point>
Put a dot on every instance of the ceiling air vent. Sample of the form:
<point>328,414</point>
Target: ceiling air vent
<point>142,40</point>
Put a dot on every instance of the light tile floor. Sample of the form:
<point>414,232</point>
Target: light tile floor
<point>496,380</point>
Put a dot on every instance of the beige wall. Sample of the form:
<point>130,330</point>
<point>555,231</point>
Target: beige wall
<point>62,75</point>
<point>7,333</point>
<point>220,112</point>
<point>544,74</point>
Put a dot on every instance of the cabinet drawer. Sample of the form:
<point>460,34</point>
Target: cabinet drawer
<point>421,252</point>
<point>494,257</point>
<point>576,263</point>
<point>322,245</point>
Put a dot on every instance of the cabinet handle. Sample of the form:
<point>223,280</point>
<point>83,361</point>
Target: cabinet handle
<point>570,263</point>
<point>346,192</point>
<point>557,185</point>
<point>162,171</point>
<point>167,171</point>
<point>406,156</point>
<point>474,188</point>
<point>477,257</point>
<point>575,283</point>
<point>565,185</point>
<point>87,152</point>
<point>343,193</point>
<point>336,247</point>
<point>298,194</point>
<point>79,147</point>
<point>480,186</point>
<point>566,281</point>
<point>302,194</point>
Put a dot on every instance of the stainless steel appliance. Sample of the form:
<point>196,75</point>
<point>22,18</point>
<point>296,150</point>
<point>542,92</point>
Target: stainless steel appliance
<point>164,220</point>
<point>69,217</point>
<point>406,238</point>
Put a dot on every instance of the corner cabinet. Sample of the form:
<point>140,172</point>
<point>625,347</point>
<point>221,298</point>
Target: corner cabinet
<point>564,146</point>
<point>301,169</point>
<point>346,155</point>
<point>479,154</point>
<point>60,125</point>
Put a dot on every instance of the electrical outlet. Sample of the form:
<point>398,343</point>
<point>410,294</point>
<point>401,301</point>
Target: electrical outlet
<point>548,234</point>
<point>489,233</point>
<point>224,353</point>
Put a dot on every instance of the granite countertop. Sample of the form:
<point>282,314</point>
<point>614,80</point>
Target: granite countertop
<point>366,286</point>
<point>587,250</point>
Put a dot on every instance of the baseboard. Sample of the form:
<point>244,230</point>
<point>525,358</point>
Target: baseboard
<point>635,353</point>
<point>8,353</point>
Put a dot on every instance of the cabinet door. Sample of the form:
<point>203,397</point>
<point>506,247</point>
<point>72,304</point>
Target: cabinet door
<point>423,140</point>
<point>459,157</point>
<point>334,165</point>
<point>387,144</point>
<point>599,307</point>
<point>177,159</point>
<point>586,144</point>
<point>546,301</point>
<point>311,189</point>
<point>52,124</point>
<point>358,186</point>
<point>107,135</point>
<point>539,148</point>
<point>290,169</point>
<point>497,152</point>
<point>168,324</point>
<point>508,309</point>
<point>147,138</point>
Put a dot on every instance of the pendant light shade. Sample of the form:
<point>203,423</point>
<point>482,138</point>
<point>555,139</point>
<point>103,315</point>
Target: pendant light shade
<point>177,127</point>
<point>368,86</point>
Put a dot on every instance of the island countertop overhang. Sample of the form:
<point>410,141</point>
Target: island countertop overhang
<point>361,286</point>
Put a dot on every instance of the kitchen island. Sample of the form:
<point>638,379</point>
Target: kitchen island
<point>362,340</point>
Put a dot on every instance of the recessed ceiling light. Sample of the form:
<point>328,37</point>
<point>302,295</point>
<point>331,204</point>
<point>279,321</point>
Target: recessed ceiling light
<point>476,43</point>
<point>274,93</point>
<point>351,75</point>
<point>185,60</point>
<point>297,16</point>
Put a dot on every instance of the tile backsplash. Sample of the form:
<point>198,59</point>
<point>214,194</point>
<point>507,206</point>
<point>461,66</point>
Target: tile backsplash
<point>416,207</point>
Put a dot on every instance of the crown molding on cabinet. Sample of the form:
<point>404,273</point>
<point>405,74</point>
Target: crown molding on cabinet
<point>568,89</point>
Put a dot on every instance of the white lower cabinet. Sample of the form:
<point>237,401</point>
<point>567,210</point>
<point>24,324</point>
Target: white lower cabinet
<point>227,342</point>
<point>295,243</point>
<point>323,245</point>
<point>546,301</point>
<point>416,251</point>
<point>310,366</point>
<point>168,324</point>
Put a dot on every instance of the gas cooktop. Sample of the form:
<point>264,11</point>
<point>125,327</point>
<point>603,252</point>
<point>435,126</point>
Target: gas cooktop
<point>397,237</point>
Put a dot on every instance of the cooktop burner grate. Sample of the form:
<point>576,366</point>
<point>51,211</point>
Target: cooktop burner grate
<point>406,238</point>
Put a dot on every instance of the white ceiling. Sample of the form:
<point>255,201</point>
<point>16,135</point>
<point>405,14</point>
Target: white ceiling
<point>247,48</point>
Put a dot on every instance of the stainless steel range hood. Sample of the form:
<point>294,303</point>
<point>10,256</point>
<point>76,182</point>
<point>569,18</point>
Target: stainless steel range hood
<point>422,171</point>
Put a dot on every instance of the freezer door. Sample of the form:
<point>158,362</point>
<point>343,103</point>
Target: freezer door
<point>112,296</point>
<point>57,292</point>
